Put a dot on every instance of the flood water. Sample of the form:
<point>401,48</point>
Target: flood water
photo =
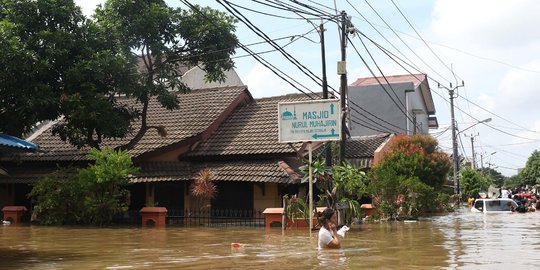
<point>461,240</point>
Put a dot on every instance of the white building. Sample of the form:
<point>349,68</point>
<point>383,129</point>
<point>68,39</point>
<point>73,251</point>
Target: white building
<point>396,104</point>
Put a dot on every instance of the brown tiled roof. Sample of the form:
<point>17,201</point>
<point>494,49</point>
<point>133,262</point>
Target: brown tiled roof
<point>264,171</point>
<point>364,146</point>
<point>251,130</point>
<point>198,110</point>
<point>360,150</point>
<point>267,171</point>
<point>416,79</point>
<point>19,174</point>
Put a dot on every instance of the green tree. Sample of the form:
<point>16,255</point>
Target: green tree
<point>165,40</point>
<point>344,183</point>
<point>497,178</point>
<point>514,181</point>
<point>530,175</point>
<point>56,63</point>
<point>104,184</point>
<point>85,196</point>
<point>56,198</point>
<point>472,182</point>
<point>409,180</point>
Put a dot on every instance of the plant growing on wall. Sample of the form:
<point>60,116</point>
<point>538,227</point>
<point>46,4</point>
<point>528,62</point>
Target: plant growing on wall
<point>203,188</point>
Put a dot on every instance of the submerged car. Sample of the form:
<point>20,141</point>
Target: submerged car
<point>496,205</point>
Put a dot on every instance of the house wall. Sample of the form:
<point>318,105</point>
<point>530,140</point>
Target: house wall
<point>382,150</point>
<point>7,195</point>
<point>269,198</point>
<point>375,100</point>
<point>171,155</point>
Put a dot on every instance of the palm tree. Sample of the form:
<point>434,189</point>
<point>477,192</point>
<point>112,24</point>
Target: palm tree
<point>203,188</point>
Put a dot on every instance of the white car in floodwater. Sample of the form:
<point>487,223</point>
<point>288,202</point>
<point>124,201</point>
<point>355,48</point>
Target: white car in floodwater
<point>497,205</point>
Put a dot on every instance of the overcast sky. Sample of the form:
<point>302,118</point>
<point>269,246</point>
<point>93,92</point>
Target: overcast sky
<point>491,45</point>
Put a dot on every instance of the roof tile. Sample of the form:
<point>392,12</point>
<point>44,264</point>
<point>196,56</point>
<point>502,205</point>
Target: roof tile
<point>268,171</point>
<point>251,129</point>
<point>198,110</point>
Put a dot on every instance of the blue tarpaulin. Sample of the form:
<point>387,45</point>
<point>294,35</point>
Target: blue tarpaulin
<point>11,143</point>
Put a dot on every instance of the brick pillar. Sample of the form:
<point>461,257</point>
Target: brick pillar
<point>155,215</point>
<point>13,213</point>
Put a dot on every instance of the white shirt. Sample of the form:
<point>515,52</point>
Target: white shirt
<point>325,237</point>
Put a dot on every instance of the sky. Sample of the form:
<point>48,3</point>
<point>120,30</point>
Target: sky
<point>492,46</point>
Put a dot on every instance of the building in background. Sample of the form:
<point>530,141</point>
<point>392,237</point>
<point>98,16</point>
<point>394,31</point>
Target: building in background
<point>395,104</point>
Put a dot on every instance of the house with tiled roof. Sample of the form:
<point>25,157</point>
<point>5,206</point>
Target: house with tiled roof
<point>223,129</point>
<point>391,104</point>
<point>199,114</point>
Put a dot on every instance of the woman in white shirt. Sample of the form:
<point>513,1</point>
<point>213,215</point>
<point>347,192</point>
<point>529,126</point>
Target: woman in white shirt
<point>328,237</point>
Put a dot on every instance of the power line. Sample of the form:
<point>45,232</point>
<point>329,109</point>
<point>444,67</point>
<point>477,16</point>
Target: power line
<point>260,33</point>
<point>383,36</point>
<point>379,82</point>
<point>315,76</point>
<point>393,58</point>
<point>269,14</point>
<point>511,122</point>
<point>427,45</point>
<point>399,37</point>
<point>256,57</point>
<point>382,74</point>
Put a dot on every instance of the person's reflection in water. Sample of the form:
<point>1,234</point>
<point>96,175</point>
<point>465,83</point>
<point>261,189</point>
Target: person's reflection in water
<point>332,257</point>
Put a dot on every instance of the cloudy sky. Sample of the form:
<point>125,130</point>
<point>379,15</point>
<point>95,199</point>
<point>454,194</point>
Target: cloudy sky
<point>493,46</point>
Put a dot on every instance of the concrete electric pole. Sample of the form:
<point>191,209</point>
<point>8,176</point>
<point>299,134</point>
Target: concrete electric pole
<point>455,156</point>
<point>346,28</point>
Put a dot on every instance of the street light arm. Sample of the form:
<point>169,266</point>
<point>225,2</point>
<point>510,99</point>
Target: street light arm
<point>479,122</point>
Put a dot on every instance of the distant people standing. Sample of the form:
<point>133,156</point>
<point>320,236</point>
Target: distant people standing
<point>328,237</point>
<point>505,193</point>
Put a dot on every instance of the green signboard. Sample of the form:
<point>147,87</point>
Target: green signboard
<point>308,121</point>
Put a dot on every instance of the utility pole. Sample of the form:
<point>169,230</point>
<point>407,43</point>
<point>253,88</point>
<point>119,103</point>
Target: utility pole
<point>342,70</point>
<point>482,160</point>
<point>473,163</point>
<point>455,156</point>
<point>328,150</point>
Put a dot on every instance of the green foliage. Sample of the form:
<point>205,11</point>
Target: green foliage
<point>496,177</point>
<point>296,208</point>
<point>352,211</point>
<point>104,184</point>
<point>168,41</point>
<point>55,62</point>
<point>57,198</point>
<point>472,182</point>
<point>530,175</point>
<point>88,196</point>
<point>340,183</point>
<point>409,178</point>
<point>514,181</point>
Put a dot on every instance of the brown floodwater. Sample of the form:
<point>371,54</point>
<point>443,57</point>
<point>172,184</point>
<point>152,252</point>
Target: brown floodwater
<point>461,240</point>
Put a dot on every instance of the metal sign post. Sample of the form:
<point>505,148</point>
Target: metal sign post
<point>309,121</point>
<point>310,188</point>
